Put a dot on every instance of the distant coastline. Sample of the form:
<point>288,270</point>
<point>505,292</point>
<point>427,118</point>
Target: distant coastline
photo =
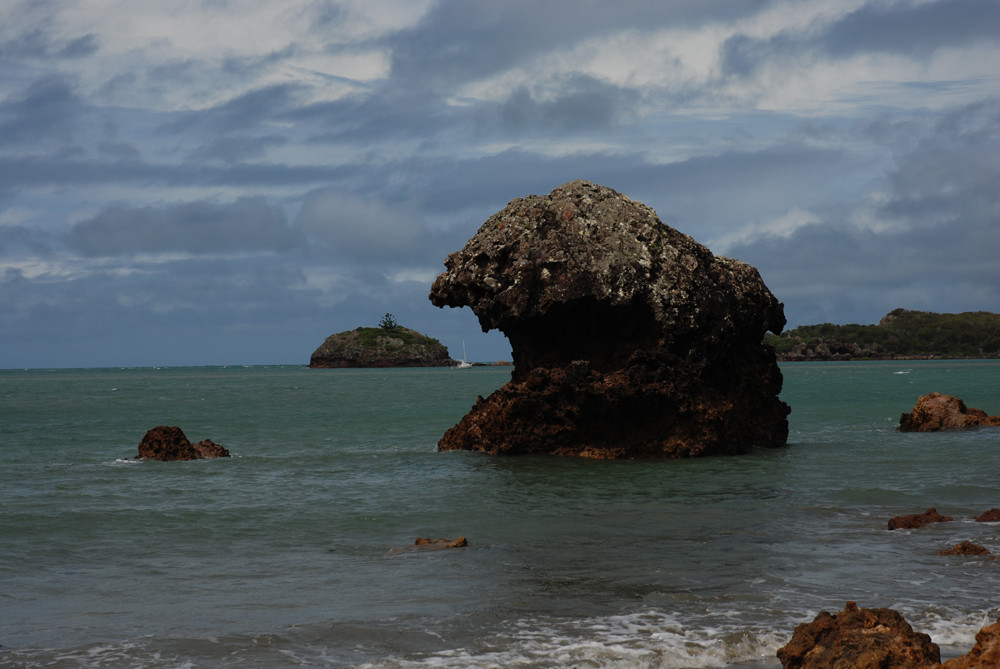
<point>900,335</point>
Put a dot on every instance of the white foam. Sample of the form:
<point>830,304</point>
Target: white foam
<point>636,641</point>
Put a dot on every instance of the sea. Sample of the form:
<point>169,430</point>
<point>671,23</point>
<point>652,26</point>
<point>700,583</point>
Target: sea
<point>279,555</point>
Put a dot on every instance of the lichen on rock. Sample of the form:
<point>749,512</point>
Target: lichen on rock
<point>629,338</point>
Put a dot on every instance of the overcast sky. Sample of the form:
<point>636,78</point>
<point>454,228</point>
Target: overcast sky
<point>230,181</point>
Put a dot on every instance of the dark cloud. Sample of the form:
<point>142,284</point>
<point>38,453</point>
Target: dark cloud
<point>47,111</point>
<point>461,40</point>
<point>908,29</point>
<point>580,103</point>
<point>202,228</point>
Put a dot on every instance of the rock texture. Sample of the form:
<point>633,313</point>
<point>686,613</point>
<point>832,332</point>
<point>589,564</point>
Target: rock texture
<point>859,639</point>
<point>991,516</point>
<point>168,443</point>
<point>377,347</point>
<point>629,338</point>
<point>935,412</point>
<point>985,654</point>
<point>965,548</point>
<point>915,521</point>
<point>423,544</point>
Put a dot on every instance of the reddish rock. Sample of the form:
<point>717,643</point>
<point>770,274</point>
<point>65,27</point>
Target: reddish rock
<point>859,639</point>
<point>428,544</point>
<point>991,516</point>
<point>629,338</point>
<point>965,548</point>
<point>167,443</point>
<point>985,654</point>
<point>207,448</point>
<point>935,412</point>
<point>917,520</point>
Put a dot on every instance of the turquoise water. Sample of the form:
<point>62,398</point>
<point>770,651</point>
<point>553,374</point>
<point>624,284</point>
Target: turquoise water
<point>277,556</point>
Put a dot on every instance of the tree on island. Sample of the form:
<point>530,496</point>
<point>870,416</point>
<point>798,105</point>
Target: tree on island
<point>388,323</point>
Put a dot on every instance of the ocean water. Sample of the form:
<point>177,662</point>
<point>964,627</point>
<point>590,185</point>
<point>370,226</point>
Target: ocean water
<point>276,557</point>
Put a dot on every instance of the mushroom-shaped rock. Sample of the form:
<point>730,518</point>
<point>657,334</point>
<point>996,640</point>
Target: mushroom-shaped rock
<point>629,338</point>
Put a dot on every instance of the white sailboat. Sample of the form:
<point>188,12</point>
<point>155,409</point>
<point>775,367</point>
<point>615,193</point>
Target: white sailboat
<point>463,364</point>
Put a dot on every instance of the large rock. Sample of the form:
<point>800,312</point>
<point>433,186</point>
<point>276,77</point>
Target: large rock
<point>629,338</point>
<point>379,347</point>
<point>935,412</point>
<point>168,443</point>
<point>859,639</point>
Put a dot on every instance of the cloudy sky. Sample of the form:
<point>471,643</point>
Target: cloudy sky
<point>230,181</point>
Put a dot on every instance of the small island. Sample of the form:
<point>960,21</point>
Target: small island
<point>900,335</point>
<point>388,345</point>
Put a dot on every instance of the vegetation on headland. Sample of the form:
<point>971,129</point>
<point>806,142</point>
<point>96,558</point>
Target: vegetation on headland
<point>901,334</point>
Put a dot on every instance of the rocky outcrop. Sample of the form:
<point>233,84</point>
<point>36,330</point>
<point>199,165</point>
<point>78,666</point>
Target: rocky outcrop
<point>965,548</point>
<point>935,412</point>
<point>423,544</point>
<point>629,338</point>
<point>991,516</point>
<point>859,639</point>
<point>985,654</point>
<point>380,347</point>
<point>878,639</point>
<point>915,521</point>
<point>168,443</point>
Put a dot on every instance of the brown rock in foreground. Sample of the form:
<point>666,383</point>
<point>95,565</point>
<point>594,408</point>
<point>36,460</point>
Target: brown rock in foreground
<point>428,544</point>
<point>859,639</point>
<point>629,339</point>
<point>168,443</point>
<point>917,520</point>
<point>985,654</point>
<point>935,412</point>
<point>965,548</point>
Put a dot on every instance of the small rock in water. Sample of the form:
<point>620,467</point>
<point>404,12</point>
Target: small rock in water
<point>991,516</point>
<point>423,544</point>
<point>935,412</point>
<point>917,520</point>
<point>169,443</point>
<point>965,548</point>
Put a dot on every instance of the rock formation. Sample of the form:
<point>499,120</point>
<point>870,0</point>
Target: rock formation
<point>859,639</point>
<point>915,521</point>
<point>378,347</point>
<point>935,412</point>
<point>167,443</point>
<point>965,548</point>
<point>423,544</point>
<point>985,654</point>
<point>991,516</point>
<point>878,639</point>
<point>629,338</point>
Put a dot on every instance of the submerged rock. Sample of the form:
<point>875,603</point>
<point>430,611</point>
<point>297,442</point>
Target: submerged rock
<point>917,520</point>
<point>167,443</point>
<point>965,548</point>
<point>428,544</point>
<point>629,338</point>
<point>991,516</point>
<point>935,412</point>
<point>859,639</point>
